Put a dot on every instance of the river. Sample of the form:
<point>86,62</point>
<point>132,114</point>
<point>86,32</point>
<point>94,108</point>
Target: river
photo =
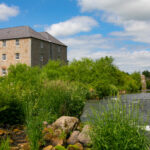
<point>143,99</point>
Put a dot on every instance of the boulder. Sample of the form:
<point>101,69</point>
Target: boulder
<point>77,146</point>
<point>24,146</point>
<point>66,124</point>
<point>14,148</point>
<point>84,137</point>
<point>73,138</point>
<point>57,141</point>
<point>50,147</point>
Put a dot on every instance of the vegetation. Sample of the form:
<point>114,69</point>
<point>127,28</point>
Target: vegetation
<point>117,127</point>
<point>4,144</point>
<point>32,95</point>
<point>147,75</point>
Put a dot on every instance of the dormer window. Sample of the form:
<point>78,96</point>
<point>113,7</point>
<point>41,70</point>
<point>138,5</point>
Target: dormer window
<point>17,41</point>
<point>4,43</point>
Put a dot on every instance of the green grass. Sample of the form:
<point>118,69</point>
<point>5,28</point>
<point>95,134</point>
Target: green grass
<point>4,144</point>
<point>117,127</point>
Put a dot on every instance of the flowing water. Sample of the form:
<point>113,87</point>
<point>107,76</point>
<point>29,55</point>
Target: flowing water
<point>141,99</point>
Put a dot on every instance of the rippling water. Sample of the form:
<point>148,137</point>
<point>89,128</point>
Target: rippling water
<point>142,98</point>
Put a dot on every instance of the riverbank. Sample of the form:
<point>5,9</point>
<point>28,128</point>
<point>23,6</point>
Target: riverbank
<point>65,133</point>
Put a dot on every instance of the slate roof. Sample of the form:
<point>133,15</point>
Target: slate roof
<point>26,32</point>
<point>50,38</point>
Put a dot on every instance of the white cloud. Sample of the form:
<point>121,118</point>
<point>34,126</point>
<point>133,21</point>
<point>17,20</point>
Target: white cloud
<point>72,26</point>
<point>99,46</point>
<point>132,15</point>
<point>135,30</point>
<point>8,11</point>
<point>129,9</point>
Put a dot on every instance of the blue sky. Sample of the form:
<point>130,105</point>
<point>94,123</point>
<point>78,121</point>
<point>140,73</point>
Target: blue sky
<point>90,28</point>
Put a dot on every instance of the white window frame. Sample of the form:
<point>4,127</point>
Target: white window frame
<point>4,57</point>
<point>4,43</point>
<point>17,42</point>
<point>17,56</point>
<point>4,72</point>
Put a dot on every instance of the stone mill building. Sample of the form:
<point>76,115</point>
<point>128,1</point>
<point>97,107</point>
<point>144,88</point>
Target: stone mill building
<point>24,45</point>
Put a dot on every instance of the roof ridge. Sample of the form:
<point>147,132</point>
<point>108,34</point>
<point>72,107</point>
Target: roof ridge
<point>14,27</point>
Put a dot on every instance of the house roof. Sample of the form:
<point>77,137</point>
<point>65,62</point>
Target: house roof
<point>50,38</point>
<point>26,32</point>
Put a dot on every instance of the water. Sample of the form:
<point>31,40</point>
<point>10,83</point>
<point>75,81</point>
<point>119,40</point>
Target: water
<point>142,99</point>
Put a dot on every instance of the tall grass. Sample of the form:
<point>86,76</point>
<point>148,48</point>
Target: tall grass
<point>4,144</point>
<point>55,99</point>
<point>118,127</point>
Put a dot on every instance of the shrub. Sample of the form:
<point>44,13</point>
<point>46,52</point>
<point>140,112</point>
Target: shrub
<point>63,98</point>
<point>117,127</point>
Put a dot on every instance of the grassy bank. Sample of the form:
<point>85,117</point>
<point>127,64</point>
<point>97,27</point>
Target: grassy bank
<point>32,95</point>
<point>119,127</point>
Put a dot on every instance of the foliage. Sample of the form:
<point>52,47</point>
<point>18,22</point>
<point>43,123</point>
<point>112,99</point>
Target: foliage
<point>117,127</point>
<point>4,144</point>
<point>146,73</point>
<point>59,147</point>
<point>101,75</point>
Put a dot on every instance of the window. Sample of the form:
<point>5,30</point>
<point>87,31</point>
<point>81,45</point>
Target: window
<point>3,71</point>
<point>17,41</point>
<point>59,49</point>
<point>3,56</point>
<point>42,45</point>
<point>41,58</point>
<point>4,43</point>
<point>17,56</point>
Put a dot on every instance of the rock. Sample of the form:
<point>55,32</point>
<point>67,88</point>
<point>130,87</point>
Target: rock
<point>24,146</point>
<point>73,138</point>
<point>50,147</point>
<point>77,146</point>
<point>45,123</point>
<point>14,148</point>
<point>2,132</point>
<point>59,147</point>
<point>47,136</point>
<point>16,130</point>
<point>48,133</point>
<point>57,141</point>
<point>66,123</point>
<point>84,137</point>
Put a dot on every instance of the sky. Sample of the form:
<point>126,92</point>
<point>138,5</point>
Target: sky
<point>90,28</point>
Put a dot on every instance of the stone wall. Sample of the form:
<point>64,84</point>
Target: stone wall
<point>59,52</point>
<point>37,52</point>
<point>49,51</point>
<point>31,52</point>
<point>11,49</point>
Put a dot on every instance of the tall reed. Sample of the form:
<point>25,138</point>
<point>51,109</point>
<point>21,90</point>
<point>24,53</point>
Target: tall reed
<point>118,127</point>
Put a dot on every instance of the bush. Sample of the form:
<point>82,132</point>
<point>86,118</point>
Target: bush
<point>117,127</point>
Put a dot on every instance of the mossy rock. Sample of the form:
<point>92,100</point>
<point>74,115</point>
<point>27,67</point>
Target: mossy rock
<point>73,147</point>
<point>59,147</point>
